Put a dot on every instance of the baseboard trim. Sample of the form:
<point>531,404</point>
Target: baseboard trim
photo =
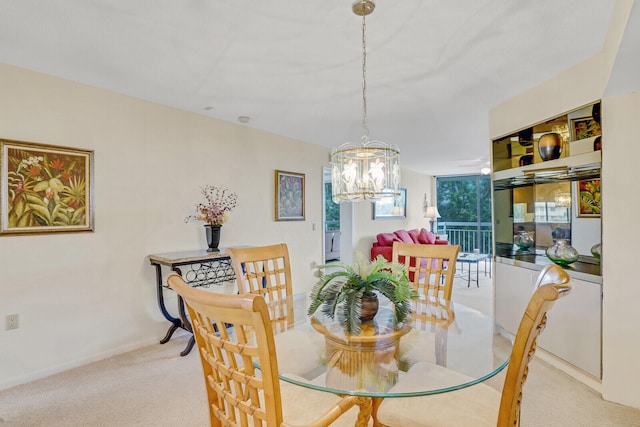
<point>575,373</point>
<point>562,365</point>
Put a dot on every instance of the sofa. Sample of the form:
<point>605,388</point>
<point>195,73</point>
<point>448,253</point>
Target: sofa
<point>384,241</point>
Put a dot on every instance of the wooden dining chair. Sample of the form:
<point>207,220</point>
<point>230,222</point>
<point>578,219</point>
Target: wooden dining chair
<point>430,267</point>
<point>233,331</point>
<point>481,405</point>
<point>266,271</point>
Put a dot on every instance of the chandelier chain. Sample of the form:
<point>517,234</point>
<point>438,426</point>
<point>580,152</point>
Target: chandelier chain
<point>365,127</point>
<point>369,170</point>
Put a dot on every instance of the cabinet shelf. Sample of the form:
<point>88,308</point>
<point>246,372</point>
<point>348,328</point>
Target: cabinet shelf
<point>583,161</point>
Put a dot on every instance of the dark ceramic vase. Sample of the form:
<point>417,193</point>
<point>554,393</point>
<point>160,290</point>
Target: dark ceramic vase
<point>597,143</point>
<point>213,237</point>
<point>550,146</point>
<point>369,307</point>
<point>526,160</point>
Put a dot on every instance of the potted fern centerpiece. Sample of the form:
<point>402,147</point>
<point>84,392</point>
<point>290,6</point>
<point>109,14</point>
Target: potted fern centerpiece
<point>347,290</point>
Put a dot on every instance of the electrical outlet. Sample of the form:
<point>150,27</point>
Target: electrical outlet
<point>11,322</point>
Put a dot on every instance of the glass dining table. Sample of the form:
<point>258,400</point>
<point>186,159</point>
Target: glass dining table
<point>455,345</point>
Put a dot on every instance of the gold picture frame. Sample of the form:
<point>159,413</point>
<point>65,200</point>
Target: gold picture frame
<point>289,196</point>
<point>45,188</point>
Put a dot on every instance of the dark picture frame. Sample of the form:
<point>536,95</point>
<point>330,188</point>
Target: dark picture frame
<point>289,196</point>
<point>584,127</point>
<point>391,208</point>
<point>45,188</point>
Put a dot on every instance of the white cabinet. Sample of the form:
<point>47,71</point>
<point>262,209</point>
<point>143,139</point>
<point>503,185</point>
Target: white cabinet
<point>575,327</point>
<point>514,286</point>
<point>574,324</point>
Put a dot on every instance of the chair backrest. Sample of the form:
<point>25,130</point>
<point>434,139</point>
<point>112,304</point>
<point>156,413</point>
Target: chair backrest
<point>430,267</point>
<point>236,395</point>
<point>266,271</point>
<point>553,283</point>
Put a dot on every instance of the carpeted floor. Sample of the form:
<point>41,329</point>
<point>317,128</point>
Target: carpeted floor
<point>154,386</point>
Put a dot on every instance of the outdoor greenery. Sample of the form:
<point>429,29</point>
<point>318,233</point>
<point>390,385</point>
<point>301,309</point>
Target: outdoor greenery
<point>461,198</point>
<point>331,210</point>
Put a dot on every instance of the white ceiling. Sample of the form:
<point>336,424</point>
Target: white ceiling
<point>434,68</point>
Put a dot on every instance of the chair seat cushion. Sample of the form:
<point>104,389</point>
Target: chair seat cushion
<point>302,405</point>
<point>476,405</point>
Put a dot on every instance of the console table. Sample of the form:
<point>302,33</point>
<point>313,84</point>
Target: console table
<point>199,269</point>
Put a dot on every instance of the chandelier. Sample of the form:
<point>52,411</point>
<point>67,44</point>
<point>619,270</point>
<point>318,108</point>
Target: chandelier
<point>369,170</point>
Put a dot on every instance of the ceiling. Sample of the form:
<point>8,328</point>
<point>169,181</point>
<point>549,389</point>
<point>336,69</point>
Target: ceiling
<point>434,68</point>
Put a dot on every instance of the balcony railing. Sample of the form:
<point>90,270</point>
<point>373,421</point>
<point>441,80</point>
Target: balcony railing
<point>469,235</point>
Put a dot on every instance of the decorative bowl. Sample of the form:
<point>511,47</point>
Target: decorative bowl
<point>562,253</point>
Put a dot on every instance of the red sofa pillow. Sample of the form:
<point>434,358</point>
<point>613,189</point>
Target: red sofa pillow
<point>403,236</point>
<point>414,235</point>
<point>386,239</point>
<point>426,237</point>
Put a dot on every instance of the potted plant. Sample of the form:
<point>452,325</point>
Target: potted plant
<point>348,290</point>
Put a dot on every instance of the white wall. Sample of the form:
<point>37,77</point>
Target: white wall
<point>573,88</point>
<point>621,335</point>
<point>86,296</point>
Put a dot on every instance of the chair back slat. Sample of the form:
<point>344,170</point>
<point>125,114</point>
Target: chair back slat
<point>266,271</point>
<point>553,283</point>
<point>430,267</point>
<point>231,332</point>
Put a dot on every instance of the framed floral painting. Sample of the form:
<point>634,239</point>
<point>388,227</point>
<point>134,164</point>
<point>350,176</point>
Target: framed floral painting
<point>289,200</point>
<point>45,188</point>
<point>588,194</point>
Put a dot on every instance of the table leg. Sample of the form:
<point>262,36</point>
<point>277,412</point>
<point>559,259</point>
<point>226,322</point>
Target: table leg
<point>376,401</point>
<point>175,323</point>
<point>477,274</point>
<point>469,277</point>
<point>184,320</point>
<point>366,408</point>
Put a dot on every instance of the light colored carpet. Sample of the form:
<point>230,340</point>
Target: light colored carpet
<point>154,386</point>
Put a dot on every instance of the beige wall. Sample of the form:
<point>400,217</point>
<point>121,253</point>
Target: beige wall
<point>573,88</point>
<point>86,296</point>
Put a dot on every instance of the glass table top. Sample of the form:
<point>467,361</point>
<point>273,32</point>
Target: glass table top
<point>471,257</point>
<point>446,346</point>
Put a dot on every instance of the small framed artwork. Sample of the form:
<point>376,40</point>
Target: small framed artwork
<point>584,127</point>
<point>588,195</point>
<point>391,208</point>
<point>45,188</point>
<point>289,200</point>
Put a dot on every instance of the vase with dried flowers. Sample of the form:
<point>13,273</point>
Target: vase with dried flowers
<point>214,211</point>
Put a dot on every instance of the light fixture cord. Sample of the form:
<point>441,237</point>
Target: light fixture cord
<point>365,127</point>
